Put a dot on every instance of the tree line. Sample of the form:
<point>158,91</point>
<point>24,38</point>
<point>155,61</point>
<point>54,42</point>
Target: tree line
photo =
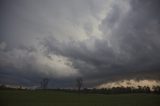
<point>79,84</point>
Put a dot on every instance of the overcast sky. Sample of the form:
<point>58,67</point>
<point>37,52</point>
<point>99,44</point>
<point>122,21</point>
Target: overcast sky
<point>98,40</point>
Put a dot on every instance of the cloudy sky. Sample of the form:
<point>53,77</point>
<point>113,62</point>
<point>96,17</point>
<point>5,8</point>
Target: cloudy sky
<point>99,40</point>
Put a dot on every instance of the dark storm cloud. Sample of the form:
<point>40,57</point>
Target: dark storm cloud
<point>99,41</point>
<point>134,46</point>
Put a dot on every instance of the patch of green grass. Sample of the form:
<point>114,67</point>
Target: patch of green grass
<point>59,98</point>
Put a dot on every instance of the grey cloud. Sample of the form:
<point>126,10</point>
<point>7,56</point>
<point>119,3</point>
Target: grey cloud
<point>134,50</point>
<point>135,37</point>
<point>68,39</point>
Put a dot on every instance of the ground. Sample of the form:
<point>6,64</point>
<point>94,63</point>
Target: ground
<point>60,98</point>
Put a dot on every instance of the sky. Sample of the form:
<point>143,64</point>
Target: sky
<point>101,41</point>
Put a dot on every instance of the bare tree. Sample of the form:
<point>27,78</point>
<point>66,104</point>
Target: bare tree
<point>44,83</point>
<point>79,82</point>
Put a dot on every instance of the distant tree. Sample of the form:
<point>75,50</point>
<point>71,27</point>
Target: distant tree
<point>3,86</point>
<point>20,87</point>
<point>156,89</point>
<point>146,89</point>
<point>79,82</point>
<point>44,83</point>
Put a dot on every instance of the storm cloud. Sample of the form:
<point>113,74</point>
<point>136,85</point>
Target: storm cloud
<point>98,40</point>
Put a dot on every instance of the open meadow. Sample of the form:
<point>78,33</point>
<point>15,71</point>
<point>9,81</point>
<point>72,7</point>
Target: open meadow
<point>60,98</point>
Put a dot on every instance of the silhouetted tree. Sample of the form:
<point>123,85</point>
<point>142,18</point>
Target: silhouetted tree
<point>3,86</point>
<point>20,87</point>
<point>146,89</point>
<point>44,83</point>
<point>156,89</point>
<point>79,82</point>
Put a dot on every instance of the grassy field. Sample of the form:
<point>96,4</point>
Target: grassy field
<point>59,98</point>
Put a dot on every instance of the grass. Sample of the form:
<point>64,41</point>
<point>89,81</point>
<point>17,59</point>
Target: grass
<point>59,98</point>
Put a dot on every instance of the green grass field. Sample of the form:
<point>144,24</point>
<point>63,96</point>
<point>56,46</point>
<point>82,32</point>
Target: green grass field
<point>59,98</point>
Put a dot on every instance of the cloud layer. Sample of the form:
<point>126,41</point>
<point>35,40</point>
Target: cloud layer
<point>98,40</point>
